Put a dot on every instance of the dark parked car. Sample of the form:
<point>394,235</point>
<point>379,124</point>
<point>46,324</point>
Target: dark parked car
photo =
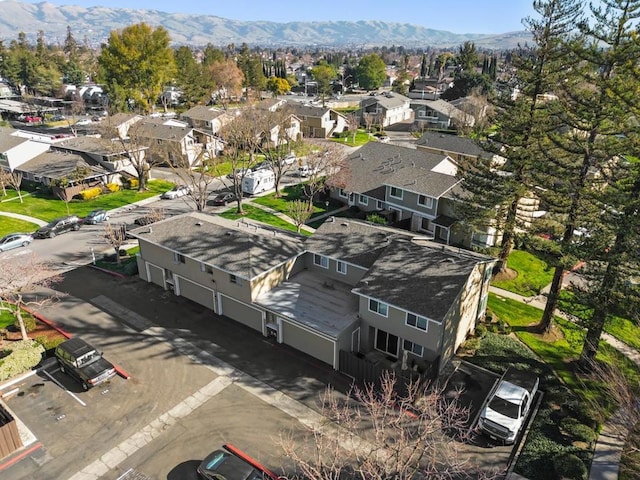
<point>224,198</point>
<point>83,362</point>
<point>231,463</point>
<point>15,240</point>
<point>96,216</point>
<point>59,225</point>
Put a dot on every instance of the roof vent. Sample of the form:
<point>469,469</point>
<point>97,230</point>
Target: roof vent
<point>345,224</point>
<point>332,219</point>
<point>198,224</point>
<point>229,233</point>
<point>150,230</point>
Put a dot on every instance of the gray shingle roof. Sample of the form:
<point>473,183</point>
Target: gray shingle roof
<point>453,143</point>
<point>94,145</point>
<point>203,113</point>
<point>376,164</point>
<point>8,141</point>
<point>352,241</point>
<point>387,100</point>
<point>57,165</point>
<point>151,129</point>
<point>418,276</point>
<point>243,251</point>
<point>302,110</point>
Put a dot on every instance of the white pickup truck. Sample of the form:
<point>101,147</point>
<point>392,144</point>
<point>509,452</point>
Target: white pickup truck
<point>508,405</point>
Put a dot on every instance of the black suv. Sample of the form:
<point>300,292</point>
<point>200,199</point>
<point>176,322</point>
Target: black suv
<point>59,225</point>
<point>84,363</point>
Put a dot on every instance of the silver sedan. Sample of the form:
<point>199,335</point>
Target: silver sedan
<point>15,240</point>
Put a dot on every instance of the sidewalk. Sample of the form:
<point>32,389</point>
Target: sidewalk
<point>608,451</point>
<point>26,218</point>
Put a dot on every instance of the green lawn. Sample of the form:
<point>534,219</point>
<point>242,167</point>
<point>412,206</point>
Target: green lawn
<point>623,329</point>
<point>260,215</point>
<point>46,208</point>
<point>11,225</point>
<point>533,274</point>
<point>362,137</point>
<point>289,194</point>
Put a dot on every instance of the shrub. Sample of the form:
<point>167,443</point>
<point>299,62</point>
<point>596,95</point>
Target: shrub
<point>134,183</point>
<point>576,430</point>
<point>568,465</point>
<point>90,193</point>
<point>49,344</point>
<point>29,323</point>
<point>113,187</point>
<point>480,331</point>
<point>375,218</point>
<point>504,327</point>
<point>23,356</point>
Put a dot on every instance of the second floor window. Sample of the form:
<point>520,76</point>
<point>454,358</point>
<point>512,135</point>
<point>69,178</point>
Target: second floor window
<point>418,322</point>
<point>321,261</point>
<point>364,200</point>
<point>395,193</point>
<point>341,267</point>
<point>425,201</point>
<point>378,307</point>
<point>235,279</point>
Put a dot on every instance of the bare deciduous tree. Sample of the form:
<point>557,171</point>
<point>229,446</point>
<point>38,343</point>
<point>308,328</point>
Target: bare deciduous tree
<point>299,211</point>
<point>15,180</point>
<point>4,181</point>
<point>352,126</point>
<point>326,162</point>
<point>18,279</point>
<point>378,434</point>
<point>115,235</point>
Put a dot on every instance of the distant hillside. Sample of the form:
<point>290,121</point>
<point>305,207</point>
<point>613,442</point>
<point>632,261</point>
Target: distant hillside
<point>95,23</point>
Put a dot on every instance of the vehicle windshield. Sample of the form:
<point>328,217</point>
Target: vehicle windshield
<point>52,224</point>
<point>504,407</point>
<point>215,459</point>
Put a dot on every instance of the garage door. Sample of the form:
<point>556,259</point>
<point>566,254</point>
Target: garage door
<point>156,275</point>
<point>242,313</point>
<point>307,342</point>
<point>197,293</point>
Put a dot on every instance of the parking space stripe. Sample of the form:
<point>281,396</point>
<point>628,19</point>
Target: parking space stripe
<point>73,395</point>
<point>140,439</point>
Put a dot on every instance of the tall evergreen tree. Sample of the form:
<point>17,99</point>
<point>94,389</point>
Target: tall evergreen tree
<point>520,122</point>
<point>592,127</point>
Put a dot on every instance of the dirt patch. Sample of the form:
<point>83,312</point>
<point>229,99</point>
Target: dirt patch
<point>505,275</point>
<point>42,331</point>
<point>551,336</point>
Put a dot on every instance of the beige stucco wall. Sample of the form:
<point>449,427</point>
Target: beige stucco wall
<point>241,313</point>
<point>352,277</point>
<point>310,343</point>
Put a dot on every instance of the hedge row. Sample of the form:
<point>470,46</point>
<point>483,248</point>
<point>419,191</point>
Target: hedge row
<point>22,357</point>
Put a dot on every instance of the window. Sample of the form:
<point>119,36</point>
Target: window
<point>378,307</point>
<point>206,268</point>
<point>341,267</point>
<point>386,342</point>
<point>321,261</point>
<point>379,204</point>
<point>415,321</point>
<point>425,201</point>
<point>178,258</point>
<point>235,279</point>
<point>342,193</point>
<point>412,347</point>
<point>396,193</point>
<point>364,200</point>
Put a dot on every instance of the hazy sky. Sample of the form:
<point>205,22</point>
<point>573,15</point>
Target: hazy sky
<point>458,16</point>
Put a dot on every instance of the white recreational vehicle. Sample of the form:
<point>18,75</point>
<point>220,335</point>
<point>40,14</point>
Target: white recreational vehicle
<point>258,182</point>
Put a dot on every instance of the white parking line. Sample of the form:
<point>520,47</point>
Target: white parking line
<point>73,395</point>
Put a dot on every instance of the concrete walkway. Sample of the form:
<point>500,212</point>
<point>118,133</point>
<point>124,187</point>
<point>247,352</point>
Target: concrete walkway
<point>26,218</point>
<point>608,451</point>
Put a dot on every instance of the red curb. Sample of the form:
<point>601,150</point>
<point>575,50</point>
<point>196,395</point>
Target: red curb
<point>20,456</point>
<point>47,321</point>
<point>122,373</point>
<point>110,272</point>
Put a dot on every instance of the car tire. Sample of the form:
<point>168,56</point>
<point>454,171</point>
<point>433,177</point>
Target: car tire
<point>61,368</point>
<point>76,228</point>
<point>85,386</point>
<point>24,244</point>
<point>52,234</point>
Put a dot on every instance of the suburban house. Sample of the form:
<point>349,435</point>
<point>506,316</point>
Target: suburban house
<point>318,122</point>
<point>176,140</point>
<point>66,174</point>
<point>385,109</point>
<point>411,188</point>
<point>329,295</point>
<point>15,149</point>
<point>439,114</point>
<point>121,122</point>
<point>112,154</point>
<point>206,118</point>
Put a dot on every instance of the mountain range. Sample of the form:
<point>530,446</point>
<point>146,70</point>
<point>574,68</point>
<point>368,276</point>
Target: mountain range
<point>95,23</point>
